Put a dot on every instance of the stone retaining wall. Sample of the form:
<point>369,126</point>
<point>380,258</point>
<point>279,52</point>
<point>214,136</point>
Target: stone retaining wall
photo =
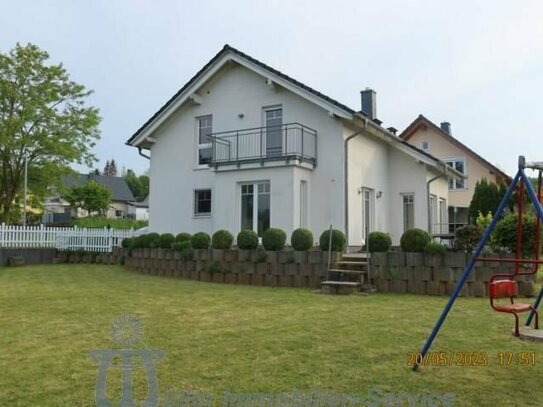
<point>30,255</point>
<point>278,269</point>
<point>436,274</point>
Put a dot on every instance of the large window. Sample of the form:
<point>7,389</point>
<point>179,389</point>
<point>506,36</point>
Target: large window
<point>255,206</point>
<point>202,202</point>
<point>205,128</point>
<point>408,202</point>
<point>459,164</point>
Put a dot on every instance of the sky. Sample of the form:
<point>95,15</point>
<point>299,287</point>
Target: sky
<point>477,64</point>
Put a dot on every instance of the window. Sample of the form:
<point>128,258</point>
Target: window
<point>255,206</point>
<point>425,145</point>
<point>118,213</point>
<point>367,211</point>
<point>459,164</point>
<point>273,118</point>
<point>202,202</point>
<point>303,204</point>
<point>205,128</point>
<point>434,220</point>
<point>408,201</point>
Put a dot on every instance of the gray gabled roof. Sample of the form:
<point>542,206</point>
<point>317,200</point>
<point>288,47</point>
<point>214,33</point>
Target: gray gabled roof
<point>117,185</point>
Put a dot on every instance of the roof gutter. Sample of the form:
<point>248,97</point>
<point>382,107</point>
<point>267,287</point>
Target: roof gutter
<point>346,177</point>
<point>143,155</point>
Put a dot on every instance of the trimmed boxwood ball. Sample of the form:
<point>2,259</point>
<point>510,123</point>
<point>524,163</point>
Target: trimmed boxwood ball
<point>338,240</point>
<point>274,239</point>
<point>183,236</point>
<point>128,242</point>
<point>180,246</point>
<point>414,240</point>
<point>138,242</point>
<point>222,239</point>
<point>379,242</point>
<point>200,240</point>
<point>435,248</point>
<point>247,240</point>
<point>166,240</point>
<point>301,239</point>
<point>152,240</point>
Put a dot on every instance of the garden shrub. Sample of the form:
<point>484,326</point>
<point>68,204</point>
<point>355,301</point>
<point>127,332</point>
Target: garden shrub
<point>505,233</point>
<point>435,248</point>
<point>183,236</point>
<point>338,240</point>
<point>152,240</point>
<point>200,240</point>
<point>261,255</point>
<point>301,239</point>
<point>128,242</point>
<point>166,240</point>
<point>222,239</point>
<point>467,237</point>
<point>379,242</point>
<point>247,239</point>
<point>274,239</point>
<point>138,242</point>
<point>414,240</point>
<point>180,246</point>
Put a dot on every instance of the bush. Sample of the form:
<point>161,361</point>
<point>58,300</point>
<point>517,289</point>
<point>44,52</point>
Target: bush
<point>301,239</point>
<point>467,237</point>
<point>222,239</point>
<point>338,240</point>
<point>261,255</point>
<point>180,246</point>
<point>379,242</point>
<point>166,240</point>
<point>414,240</point>
<point>128,242</point>
<point>200,240</point>
<point>138,242</point>
<point>152,240</point>
<point>435,248</point>
<point>505,234</point>
<point>183,236</point>
<point>274,239</point>
<point>247,240</point>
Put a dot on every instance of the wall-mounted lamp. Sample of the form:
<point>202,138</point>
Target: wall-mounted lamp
<point>241,115</point>
<point>379,194</point>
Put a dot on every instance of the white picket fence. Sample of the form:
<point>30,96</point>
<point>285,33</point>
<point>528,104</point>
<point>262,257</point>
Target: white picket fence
<point>88,239</point>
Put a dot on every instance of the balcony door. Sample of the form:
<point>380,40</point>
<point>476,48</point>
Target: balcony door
<point>255,206</point>
<point>273,121</point>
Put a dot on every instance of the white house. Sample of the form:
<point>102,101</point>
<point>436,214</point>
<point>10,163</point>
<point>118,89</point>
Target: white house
<point>243,145</point>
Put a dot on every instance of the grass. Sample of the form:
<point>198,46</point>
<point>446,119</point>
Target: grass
<point>220,338</point>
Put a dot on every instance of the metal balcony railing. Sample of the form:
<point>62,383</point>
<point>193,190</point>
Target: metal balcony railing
<point>292,141</point>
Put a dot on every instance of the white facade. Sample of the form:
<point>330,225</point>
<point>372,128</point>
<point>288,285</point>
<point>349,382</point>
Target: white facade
<point>233,94</point>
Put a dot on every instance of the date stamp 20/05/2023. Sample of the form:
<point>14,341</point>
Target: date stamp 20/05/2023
<point>472,359</point>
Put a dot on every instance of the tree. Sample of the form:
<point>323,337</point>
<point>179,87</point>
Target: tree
<point>91,197</point>
<point>138,185</point>
<point>44,113</point>
<point>110,168</point>
<point>486,198</point>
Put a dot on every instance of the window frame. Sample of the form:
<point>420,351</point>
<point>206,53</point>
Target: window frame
<point>464,181</point>
<point>427,145</point>
<point>403,203</point>
<point>255,194</point>
<point>203,146</point>
<point>370,193</point>
<point>195,212</point>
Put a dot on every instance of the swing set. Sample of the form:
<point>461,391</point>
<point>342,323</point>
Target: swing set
<point>503,285</point>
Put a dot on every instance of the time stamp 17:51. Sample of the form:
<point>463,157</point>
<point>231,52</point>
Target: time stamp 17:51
<point>474,359</point>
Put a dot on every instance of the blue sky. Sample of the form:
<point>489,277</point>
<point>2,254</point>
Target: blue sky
<point>476,64</point>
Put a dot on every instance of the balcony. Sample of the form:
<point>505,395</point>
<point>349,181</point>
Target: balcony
<point>291,143</point>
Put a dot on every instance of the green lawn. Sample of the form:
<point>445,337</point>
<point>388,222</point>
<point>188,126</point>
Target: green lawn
<point>219,337</point>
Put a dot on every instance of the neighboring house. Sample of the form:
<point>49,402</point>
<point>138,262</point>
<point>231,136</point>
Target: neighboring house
<point>244,146</point>
<point>439,142</point>
<point>139,210</point>
<point>57,209</point>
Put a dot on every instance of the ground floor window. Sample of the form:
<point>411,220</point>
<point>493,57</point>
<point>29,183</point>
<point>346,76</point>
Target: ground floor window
<point>408,202</point>
<point>202,202</point>
<point>255,206</point>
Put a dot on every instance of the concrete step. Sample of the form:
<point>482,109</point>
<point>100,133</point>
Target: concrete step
<point>355,256</point>
<point>347,271</point>
<point>352,263</point>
